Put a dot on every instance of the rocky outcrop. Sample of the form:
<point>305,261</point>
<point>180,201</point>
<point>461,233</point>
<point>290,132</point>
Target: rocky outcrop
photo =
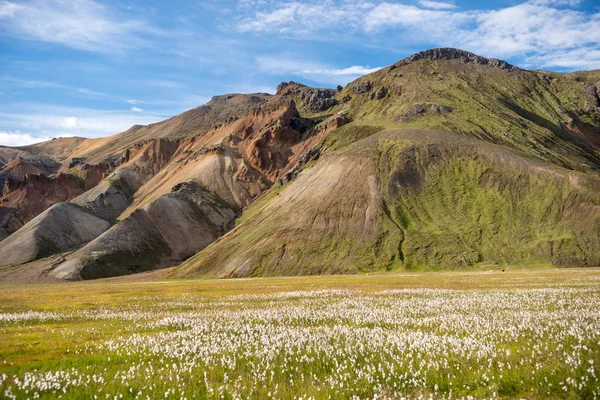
<point>311,155</point>
<point>93,174</point>
<point>21,166</point>
<point>315,99</point>
<point>379,94</point>
<point>419,110</point>
<point>75,161</point>
<point>41,182</point>
<point>447,53</point>
<point>24,199</point>
<point>269,134</point>
<point>361,86</point>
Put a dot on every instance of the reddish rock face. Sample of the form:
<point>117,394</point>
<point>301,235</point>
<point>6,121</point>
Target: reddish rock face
<point>265,136</point>
<point>153,155</point>
<point>584,132</point>
<point>23,199</point>
<point>93,174</point>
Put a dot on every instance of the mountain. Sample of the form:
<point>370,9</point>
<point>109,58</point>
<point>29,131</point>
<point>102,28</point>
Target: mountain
<point>417,200</point>
<point>442,160</point>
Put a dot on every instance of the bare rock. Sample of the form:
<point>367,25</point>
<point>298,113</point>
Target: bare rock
<point>419,110</point>
<point>379,94</point>
<point>315,99</point>
<point>362,86</point>
<point>163,233</point>
<point>448,53</point>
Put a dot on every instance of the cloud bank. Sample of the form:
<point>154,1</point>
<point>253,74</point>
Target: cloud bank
<point>543,32</point>
<point>81,24</point>
<point>285,65</point>
<point>33,123</point>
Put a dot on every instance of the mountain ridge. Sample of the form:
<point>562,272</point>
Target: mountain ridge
<point>246,151</point>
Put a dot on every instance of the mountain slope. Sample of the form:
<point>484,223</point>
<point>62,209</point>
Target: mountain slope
<point>418,200</point>
<point>86,162</point>
<point>227,166</point>
<point>61,227</point>
<point>439,204</point>
<point>549,116</point>
<point>190,123</point>
<point>233,162</point>
<point>171,229</point>
<point>442,160</point>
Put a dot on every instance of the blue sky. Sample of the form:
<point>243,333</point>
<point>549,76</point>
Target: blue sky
<point>91,68</point>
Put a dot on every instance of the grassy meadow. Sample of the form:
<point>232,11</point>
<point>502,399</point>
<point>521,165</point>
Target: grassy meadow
<point>513,334</point>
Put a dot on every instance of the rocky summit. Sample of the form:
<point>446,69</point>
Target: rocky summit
<point>443,160</point>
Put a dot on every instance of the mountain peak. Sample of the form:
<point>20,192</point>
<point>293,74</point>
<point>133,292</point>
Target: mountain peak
<point>448,53</point>
<point>289,85</point>
<point>315,99</point>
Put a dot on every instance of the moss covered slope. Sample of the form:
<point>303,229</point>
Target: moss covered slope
<point>417,200</point>
<point>548,116</point>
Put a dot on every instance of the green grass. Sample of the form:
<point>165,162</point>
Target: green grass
<point>465,211</point>
<point>519,333</point>
<point>446,202</point>
<point>522,110</point>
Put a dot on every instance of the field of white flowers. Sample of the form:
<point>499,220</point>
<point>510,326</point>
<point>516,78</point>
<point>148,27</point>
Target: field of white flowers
<point>409,343</point>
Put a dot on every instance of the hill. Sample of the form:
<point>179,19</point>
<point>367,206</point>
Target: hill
<point>417,200</point>
<point>442,160</point>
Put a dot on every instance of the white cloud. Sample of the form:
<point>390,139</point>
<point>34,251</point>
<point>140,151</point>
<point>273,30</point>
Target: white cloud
<point>56,121</point>
<point>69,122</point>
<point>534,29</point>
<point>436,5</point>
<point>7,9</point>
<point>303,17</point>
<point>27,83</point>
<point>571,3</point>
<point>283,65</point>
<point>92,93</point>
<point>137,109</point>
<point>133,101</point>
<point>583,58</point>
<point>422,22</point>
<point>550,30</point>
<point>17,138</point>
<point>82,24</point>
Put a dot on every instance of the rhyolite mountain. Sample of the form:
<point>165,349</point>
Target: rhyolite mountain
<point>442,160</point>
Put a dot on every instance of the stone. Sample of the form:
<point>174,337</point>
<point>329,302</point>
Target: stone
<point>447,53</point>
<point>418,110</point>
<point>362,86</point>
<point>381,93</point>
<point>315,99</point>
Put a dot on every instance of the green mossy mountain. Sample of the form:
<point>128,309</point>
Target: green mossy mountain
<point>451,161</point>
<point>416,200</point>
<point>549,116</point>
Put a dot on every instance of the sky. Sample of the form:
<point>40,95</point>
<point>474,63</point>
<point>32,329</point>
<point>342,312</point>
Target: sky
<point>91,68</point>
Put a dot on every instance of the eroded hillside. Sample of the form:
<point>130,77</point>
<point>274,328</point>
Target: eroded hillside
<point>442,160</point>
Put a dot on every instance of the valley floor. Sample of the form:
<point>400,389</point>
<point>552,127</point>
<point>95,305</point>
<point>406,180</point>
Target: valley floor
<point>518,333</point>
